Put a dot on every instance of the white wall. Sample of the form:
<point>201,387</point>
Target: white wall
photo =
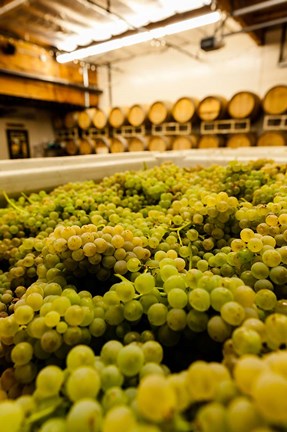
<point>239,65</point>
<point>36,121</point>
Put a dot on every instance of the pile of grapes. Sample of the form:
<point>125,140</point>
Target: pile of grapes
<point>152,301</point>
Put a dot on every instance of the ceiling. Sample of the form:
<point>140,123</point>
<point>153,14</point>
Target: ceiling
<point>70,24</point>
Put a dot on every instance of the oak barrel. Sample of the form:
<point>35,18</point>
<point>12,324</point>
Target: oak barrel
<point>210,141</point>
<point>70,120</point>
<point>137,143</point>
<point>99,119</point>
<point>137,115</point>
<point>118,117</point>
<point>72,147</point>
<point>159,112</point>
<point>118,144</point>
<point>241,140</point>
<point>86,146</point>
<point>272,138</point>
<point>184,109</point>
<point>159,143</point>
<point>212,108</point>
<point>184,142</point>
<point>275,100</point>
<point>244,104</point>
<point>84,119</point>
<point>102,145</point>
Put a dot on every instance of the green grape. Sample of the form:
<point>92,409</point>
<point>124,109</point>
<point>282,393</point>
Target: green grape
<point>52,318</point>
<point>212,418</point>
<point>197,321</point>
<point>218,329</point>
<point>35,300</point>
<point>51,341</point>
<point>56,424</point>
<point>219,296</point>
<point>246,341</point>
<point>119,418</point>
<point>23,314</point>
<point>201,381</point>
<point>157,314</point>
<point>246,372</point>
<point>144,283</point>
<point>271,258</point>
<point>244,295</point>
<point>199,299</point>
<point>133,310</point>
<point>74,315</point>
<point>85,416</point>
<point>260,270</point>
<point>156,387</point>
<point>113,396</point>
<point>49,381</point>
<point>22,353</point>
<point>98,327</point>
<point>152,351</point>
<point>167,270</point>
<point>176,319</point>
<point>174,281</point>
<point>80,355</point>
<point>276,330</point>
<point>125,291</point>
<point>233,313</point>
<point>130,360</point>
<point>265,299</point>
<point>83,382</point>
<point>267,394</point>
<point>242,415</point>
<point>110,351</point>
<point>278,275</point>
<point>111,377</point>
<point>11,416</point>
<point>177,298</point>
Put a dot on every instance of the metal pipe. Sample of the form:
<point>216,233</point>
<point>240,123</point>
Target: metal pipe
<point>10,6</point>
<point>86,85</point>
<point>256,7</point>
<point>50,80</point>
<point>254,27</point>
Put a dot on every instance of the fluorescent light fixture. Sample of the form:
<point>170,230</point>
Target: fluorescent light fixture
<point>143,36</point>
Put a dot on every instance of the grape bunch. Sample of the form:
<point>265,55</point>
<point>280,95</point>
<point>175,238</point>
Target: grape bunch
<point>151,301</point>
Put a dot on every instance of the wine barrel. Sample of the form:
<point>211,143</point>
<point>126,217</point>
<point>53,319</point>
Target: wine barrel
<point>212,108</point>
<point>272,139</point>
<point>241,140</point>
<point>275,100</point>
<point>136,144</point>
<point>58,123</point>
<point>159,143</point>
<point>210,141</point>
<point>102,145</point>
<point>84,119</point>
<point>159,112</point>
<point>86,146</point>
<point>184,142</point>
<point>70,120</point>
<point>184,109</point>
<point>137,115</point>
<point>244,104</point>
<point>99,119</point>
<point>72,147</point>
<point>117,117</point>
<point>118,144</point>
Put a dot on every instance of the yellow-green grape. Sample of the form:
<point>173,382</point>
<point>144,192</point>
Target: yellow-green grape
<point>233,313</point>
<point>153,351</point>
<point>130,360</point>
<point>218,329</point>
<point>125,291</point>
<point>8,326</point>
<point>276,330</point>
<point>22,353</point>
<point>144,283</point>
<point>23,314</point>
<point>49,381</point>
<point>246,372</point>
<point>156,388</point>
<point>111,377</point>
<point>271,257</point>
<point>265,299</point>
<point>277,361</point>
<point>178,383</point>
<point>80,355</point>
<point>11,416</point>
<point>244,295</point>
<point>83,382</point>
<point>212,418</point>
<point>199,299</point>
<point>268,394</point>
<point>201,381</point>
<point>56,424</point>
<point>177,298</point>
<point>246,234</point>
<point>246,341</point>
<point>243,415</point>
<point>110,351</point>
<point>85,415</point>
<point>119,418</point>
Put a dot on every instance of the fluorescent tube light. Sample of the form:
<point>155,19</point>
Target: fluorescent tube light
<point>143,36</point>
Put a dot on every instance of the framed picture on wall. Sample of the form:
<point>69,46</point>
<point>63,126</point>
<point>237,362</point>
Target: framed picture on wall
<point>18,143</point>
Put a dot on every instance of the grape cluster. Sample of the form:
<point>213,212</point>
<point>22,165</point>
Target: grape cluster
<point>151,301</point>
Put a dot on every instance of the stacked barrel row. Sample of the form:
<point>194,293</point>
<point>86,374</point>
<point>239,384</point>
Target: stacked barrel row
<point>242,105</point>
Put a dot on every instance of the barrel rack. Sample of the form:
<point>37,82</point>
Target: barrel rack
<point>275,122</point>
